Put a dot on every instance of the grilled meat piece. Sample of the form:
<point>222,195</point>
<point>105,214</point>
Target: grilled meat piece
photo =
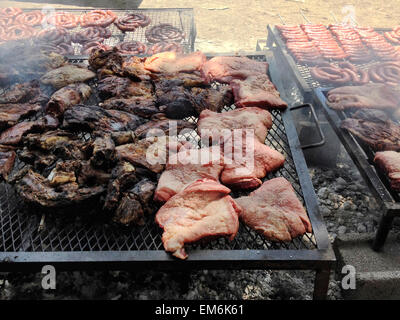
<point>368,96</point>
<point>64,172</point>
<point>187,166</point>
<point>90,176</point>
<point>151,153</point>
<point>275,211</point>
<point>66,75</point>
<point>204,209</point>
<point>172,62</point>
<point>21,92</point>
<point>187,80</point>
<point>226,69</point>
<point>123,176</point>
<point>375,128</point>
<point>249,165</point>
<point>211,99</point>
<point>135,203</point>
<point>67,97</point>
<point>256,91</point>
<point>36,189</point>
<point>122,137</point>
<point>7,159</point>
<point>133,67</point>
<point>13,135</point>
<point>123,87</point>
<point>62,144</point>
<point>142,107</point>
<point>106,62</point>
<point>159,124</point>
<point>174,99</point>
<point>215,125</point>
<point>103,151</point>
<point>11,114</point>
<point>82,117</point>
<point>39,160</point>
<point>389,162</point>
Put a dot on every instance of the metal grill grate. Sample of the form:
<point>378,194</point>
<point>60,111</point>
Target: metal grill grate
<point>180,18</point>
<point>301,72</point>
<point>19,225</point>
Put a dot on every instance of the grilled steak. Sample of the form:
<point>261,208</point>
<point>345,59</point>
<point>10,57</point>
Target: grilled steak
<point>11,114</point>
<point>151,153</point>
<point>249,165</point>
<point>369,96</point>
<point>187,166</point>
<point>275,211</point>
<point>212,124</point>
<point>123,88</point>
<point>256,91</point>
<point>375,128</point>
<point>172,62</point>
<point>67,97</point>
<point>204,209</point>
<point>123,176</point>
<point>13,135</point>
<point>135,203</point>
<point>36,189</point>
<point>7,158</point>
<point>140,106</point>
<point>226,69</point>
<point>66,75</point>
<point>211,99</point>
<point>82,117</point>
<point>389,162</point>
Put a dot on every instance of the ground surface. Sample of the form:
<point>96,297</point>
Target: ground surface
<point>347,206</point>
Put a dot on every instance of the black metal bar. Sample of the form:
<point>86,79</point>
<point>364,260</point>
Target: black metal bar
<point>321,284</point>
<point>316,121</point>
<point>384,227</point>
<point>160,260</point>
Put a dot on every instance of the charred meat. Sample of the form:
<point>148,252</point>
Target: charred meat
<point>13,135</point>
<point>67,97</point>
<point>66,75</point>
<point>375,128</point>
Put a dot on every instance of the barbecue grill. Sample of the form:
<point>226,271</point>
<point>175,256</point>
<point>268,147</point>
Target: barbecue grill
<point>300,73</point>
<point>363,156</point>
<point>181,18</point>
<point>82,244</point>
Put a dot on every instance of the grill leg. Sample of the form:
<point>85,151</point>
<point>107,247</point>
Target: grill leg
<point>321,284</point>
<point>383,230</point>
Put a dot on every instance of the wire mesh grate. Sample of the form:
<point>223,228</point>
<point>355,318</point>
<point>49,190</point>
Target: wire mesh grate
<point>181,18</point>
<point>84,232</point>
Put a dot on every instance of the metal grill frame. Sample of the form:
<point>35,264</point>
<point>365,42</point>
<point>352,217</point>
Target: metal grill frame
<point>300,73</point>
<point>320,259</point>
<point>183,18</point>
<point>362,156</point>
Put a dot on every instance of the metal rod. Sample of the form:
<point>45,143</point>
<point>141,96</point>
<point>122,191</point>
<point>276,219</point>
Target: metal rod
<point>282,20</point>
<point>42,223</point>
<point>334,17</point>
<point>304,16</point>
